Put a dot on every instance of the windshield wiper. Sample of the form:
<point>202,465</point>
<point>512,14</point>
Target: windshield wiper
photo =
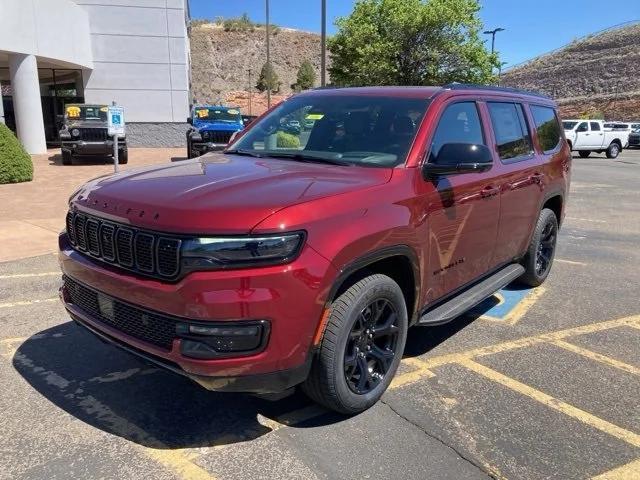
<point>247,153</point>
<point>301,157</point>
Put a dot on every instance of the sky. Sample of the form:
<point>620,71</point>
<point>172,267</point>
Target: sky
<point>532,27</point>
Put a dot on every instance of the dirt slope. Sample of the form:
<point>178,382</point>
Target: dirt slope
<point>600,74</point>
<point>220,62</point>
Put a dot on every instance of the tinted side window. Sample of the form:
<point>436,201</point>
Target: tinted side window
<point>583,127</point>
<point>595,126</point>
<point>547,127</point>
<point>459,123</point>
<point>510,128</point>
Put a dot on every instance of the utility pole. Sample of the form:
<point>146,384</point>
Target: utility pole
<point>323,45</point>
<point>493,37</point>
<point>268,56</point>
<point>250,88</point>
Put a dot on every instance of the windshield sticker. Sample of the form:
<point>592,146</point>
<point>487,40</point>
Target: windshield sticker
<point>73,112</point>
<point>314,116</point>
<point>202,113</point>
<point>233,111</point>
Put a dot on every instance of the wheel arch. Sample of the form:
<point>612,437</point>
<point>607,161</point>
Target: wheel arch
<point>398,262</point>
<point>554,202</point>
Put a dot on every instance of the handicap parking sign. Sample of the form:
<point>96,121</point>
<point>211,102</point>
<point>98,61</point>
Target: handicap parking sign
<point>115,120</point>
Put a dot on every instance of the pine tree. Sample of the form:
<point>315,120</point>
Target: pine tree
<point>268,79</point>
<point>306,77</point>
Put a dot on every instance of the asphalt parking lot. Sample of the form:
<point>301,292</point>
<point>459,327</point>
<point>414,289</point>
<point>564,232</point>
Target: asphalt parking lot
<point>535,384</point>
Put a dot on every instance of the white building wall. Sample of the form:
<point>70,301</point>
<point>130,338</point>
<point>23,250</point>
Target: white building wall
<point>140,57</point>
<point>49,29</point>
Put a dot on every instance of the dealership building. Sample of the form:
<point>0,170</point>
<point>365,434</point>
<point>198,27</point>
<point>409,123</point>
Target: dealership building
<point>132,52</point>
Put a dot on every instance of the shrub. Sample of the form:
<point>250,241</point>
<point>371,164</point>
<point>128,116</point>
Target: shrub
<point>15,163</point>
<point>287,140</point>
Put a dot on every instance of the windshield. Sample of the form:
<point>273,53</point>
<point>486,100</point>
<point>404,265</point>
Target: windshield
<point>213,114</point>
<point>569,125</point>
<point>344,129</point>
<point>87,112</point>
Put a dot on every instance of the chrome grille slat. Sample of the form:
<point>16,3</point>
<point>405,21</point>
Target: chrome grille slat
<point>79,223</point>
<point>93,242</point>
<point>144,252</point>
<point>141,251</point>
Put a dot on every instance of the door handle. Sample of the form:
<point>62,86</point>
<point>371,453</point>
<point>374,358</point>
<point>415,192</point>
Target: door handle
<point>489,191</point>
<point>537,177</point>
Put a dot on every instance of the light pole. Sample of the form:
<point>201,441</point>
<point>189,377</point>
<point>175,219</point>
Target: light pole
<point>250,87</point>
<point>323,45</point>
<point>268,57</point>
<point>493,37</point>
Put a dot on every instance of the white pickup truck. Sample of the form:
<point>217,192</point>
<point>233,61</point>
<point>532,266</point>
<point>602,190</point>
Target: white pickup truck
<point>586,136</point>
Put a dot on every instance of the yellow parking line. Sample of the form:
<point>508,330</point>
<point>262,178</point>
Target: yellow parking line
<point>28,275</point>
<point>179,463</point>
<point>597,357</point>
<point>630,471</point>
<point>291,418</point>
<point>419,372</point>
<point>523,306</point>
<point>570,262</point>
<point>551,402</point>
<point>27,302</point>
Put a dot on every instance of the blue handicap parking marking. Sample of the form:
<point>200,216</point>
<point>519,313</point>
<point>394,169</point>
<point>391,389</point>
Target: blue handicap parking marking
<point>507,305</point>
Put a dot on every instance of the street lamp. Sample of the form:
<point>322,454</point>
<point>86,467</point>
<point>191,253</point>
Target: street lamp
<point>323,45</point>
<point>493,36</point>
<point>268,55</point>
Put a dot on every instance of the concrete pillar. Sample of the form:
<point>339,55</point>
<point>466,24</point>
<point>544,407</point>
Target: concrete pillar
<point>23,70</point>
<point>1,108</point>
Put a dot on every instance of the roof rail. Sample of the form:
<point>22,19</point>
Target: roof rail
<point>493,88</point>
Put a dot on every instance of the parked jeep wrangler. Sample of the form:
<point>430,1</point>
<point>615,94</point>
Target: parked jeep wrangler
<point>211,128</point>
<point>274,264</point>
<point>84,132</point>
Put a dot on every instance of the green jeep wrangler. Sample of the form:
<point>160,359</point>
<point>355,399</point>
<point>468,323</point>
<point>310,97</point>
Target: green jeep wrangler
<point>84,132</point>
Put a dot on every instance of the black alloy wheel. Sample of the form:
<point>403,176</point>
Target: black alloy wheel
<point>371,347</point>
<point>538,259</point>
<point>361,346</point>
<point>546,245</point>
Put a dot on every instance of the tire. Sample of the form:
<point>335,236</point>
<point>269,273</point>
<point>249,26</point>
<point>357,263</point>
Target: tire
<point>613,151</point>
<point>123,156</point>
<point>584,153</point>
<point>334,383</point>
<point>189,151</point>
<point>67,158</point>
<point>541,252</point>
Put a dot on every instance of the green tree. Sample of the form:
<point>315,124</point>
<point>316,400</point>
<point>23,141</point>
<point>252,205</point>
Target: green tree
<point>268,79</point>
<point>306,77</point>
<point>411,42</point>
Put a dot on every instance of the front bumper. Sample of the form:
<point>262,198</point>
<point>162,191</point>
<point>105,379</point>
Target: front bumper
<point>203,147</point>
<point>82,147</point>
<point>289,297</point>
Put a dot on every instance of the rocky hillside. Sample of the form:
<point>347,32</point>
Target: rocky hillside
<point>220,62</point>
<point>598,75</point>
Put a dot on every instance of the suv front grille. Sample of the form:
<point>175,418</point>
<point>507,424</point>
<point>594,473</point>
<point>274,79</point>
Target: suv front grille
<point>150,327</point>
<point>93,134</point>
<point>129,248</point>
<point>216,136</point>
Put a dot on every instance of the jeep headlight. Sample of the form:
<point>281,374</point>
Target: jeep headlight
<point>75,132</point>
<point>241,251</point>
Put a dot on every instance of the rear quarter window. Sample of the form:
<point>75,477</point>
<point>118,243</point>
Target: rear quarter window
<point>510,129</point>
<point>547,127</point>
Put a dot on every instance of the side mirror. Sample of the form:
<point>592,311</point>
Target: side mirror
<point>456,158</point>
<point>189,120</point>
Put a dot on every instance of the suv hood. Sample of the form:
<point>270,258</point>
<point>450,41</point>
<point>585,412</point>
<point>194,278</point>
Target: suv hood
<point>217,193</point>
<point>219,126</point>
